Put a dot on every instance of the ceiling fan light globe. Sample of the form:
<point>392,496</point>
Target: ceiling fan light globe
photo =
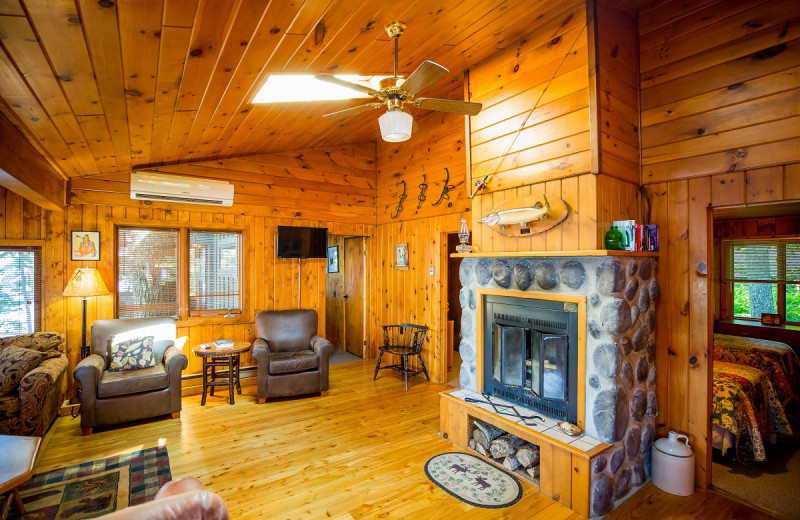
<point>396,126</point>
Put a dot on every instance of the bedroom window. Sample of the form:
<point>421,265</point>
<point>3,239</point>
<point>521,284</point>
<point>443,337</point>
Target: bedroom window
<point>180,273</point>
<point>763,276</point>
<point>20,290</point>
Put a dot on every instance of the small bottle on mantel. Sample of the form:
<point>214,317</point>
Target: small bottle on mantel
<point>463,236</point>
<point>614,239</point>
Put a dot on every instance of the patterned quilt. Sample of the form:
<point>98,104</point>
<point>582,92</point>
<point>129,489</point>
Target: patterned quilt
<point>777,360</point>
<point>745,408</point>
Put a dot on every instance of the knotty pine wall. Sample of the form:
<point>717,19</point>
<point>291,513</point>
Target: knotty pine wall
<point>270,190</point>
<point>416,296</point>
<point>581,141</point>
<point>720,129</point>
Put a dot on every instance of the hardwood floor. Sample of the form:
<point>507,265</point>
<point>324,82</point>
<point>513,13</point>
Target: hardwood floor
<point>357,453</point>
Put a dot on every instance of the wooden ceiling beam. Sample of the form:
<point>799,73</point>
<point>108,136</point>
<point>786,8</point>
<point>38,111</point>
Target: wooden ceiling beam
<point>25,172</point>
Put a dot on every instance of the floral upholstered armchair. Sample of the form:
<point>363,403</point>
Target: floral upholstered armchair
<point>32,369</point>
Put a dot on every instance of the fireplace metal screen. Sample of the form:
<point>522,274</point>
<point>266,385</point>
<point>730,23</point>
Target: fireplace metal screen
<point>531,354</point>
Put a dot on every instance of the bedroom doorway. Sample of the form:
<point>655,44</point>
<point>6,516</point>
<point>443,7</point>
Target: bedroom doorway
<point>345,297</point>
<point>755,437</point>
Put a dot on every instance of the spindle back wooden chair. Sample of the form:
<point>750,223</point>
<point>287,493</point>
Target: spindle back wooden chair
<point>403,340</point>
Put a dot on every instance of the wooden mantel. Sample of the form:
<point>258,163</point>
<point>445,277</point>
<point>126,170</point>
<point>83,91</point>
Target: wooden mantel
<point>534,254</point>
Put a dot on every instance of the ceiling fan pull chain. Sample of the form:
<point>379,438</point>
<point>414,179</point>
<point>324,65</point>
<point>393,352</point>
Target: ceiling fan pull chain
<point>421,197</point>
<point>445,190</point>
<point>403,196</point>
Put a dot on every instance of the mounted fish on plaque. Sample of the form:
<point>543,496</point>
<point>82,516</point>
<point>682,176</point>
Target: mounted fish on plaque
<point>527,216</point>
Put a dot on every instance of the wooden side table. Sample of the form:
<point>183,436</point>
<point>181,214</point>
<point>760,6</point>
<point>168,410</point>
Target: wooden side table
<point>223,358</point>
<point>16,466</point>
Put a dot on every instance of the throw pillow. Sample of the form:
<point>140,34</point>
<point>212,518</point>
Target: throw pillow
<point>132,354</point>
<point>15,363</point>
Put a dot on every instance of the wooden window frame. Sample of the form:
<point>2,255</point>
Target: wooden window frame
<point>186,317</point>
<point>727,286</point>
<point>39,295</point>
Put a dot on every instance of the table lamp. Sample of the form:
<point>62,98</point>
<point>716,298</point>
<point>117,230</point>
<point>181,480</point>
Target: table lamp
<point>85,282</point>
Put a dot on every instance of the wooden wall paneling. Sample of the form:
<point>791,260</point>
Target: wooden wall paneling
<point>661,215</point>
<point>765,184</point>
<point>728,189</point>
<point>791,181</point>
<point>588,229</point>
<point>677,301</point>
<point>14,215</point>
<point>700,359</point>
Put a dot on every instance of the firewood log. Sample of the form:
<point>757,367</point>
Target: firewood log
<point>471,444</point>
<point>480,438</point>
<point>511,463</point>
<point>533,471</point>
<point>489,432</point>
<point>481,450</point>
<point>505,445</point>
<point>528,455</point>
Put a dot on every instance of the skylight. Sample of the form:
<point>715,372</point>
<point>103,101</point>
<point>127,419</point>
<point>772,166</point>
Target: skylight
<point>282,88</point>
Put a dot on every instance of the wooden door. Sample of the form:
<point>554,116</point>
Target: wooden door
<point>334,297</point>
<point>355,295</point>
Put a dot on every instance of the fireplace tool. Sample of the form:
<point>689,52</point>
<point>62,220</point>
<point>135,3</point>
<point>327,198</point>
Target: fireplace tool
<point>504,409</point>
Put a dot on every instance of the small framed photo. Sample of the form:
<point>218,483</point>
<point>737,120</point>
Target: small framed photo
<point>770,319</point>
<point>85,246</point>
<point>401,257</point>
<point>333,259</point>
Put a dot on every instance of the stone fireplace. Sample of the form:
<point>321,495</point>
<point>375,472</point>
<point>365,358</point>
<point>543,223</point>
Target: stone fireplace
<point>613,371</point>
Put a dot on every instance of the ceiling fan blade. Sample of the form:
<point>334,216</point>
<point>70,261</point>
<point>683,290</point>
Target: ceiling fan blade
<point>347,112</point>
<point>425,75</point>
<point>448,105</point>
<point>347,84</point>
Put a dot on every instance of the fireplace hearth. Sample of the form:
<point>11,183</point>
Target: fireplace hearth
<point>531,354</point>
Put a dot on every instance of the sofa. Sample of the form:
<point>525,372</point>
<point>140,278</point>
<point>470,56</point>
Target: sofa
<point>32,382</point>
<point>113,397</point>
<point>183,499</point>
<point>292,359</point>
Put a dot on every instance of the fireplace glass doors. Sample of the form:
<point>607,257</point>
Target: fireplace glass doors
<point>531,354</point>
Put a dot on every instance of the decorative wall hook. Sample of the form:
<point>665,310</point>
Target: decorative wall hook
<point>403,196</point>
<point>421,197</point>
<point>445,190</point>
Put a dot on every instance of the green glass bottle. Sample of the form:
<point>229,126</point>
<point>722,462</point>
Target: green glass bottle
<point>614,239</point>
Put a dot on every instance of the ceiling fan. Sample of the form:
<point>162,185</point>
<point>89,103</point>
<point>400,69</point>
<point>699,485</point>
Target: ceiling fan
<point>396,92</point>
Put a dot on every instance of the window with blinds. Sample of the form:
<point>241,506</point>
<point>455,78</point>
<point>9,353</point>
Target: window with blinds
<point>20,290</point>
<point>147,272</point>
<point>764,277</point>
<point>213,271</point>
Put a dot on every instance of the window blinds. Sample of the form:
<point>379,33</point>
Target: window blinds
<point>771,261</point>
<point>147,281</point>
<point>213,270</point>
<point>20,290</point>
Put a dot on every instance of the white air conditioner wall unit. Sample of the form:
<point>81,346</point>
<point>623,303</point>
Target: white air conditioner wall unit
<point>177,188</point>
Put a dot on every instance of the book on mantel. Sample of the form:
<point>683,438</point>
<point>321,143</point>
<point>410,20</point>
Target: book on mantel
<point>223,344</point>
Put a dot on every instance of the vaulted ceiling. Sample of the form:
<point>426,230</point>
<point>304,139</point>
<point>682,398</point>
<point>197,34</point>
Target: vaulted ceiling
<point>100,86</point>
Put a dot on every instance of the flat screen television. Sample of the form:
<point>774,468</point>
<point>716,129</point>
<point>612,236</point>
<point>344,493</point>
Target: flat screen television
<point>302,242</point>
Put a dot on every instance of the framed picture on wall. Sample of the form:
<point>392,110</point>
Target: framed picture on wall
<point>333,259</point>
<point>85,246</point>
<point>401,257</point>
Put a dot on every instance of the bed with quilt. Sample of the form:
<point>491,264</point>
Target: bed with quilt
<point>754,383</point>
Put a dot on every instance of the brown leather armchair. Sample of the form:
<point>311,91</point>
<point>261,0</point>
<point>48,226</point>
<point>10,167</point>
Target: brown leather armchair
<point>116,397</point>
<point>183,499</point>
<point>292,359</point>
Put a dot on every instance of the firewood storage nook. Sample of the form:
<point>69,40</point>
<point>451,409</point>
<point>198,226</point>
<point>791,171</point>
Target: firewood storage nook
<point>564,469</point>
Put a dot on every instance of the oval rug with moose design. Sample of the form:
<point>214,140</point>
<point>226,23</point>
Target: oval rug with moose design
<point>473,480</point>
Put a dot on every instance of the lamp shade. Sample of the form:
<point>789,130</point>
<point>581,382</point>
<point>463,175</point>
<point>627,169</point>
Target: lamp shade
<point>85,282</point>
<point>396,126</point>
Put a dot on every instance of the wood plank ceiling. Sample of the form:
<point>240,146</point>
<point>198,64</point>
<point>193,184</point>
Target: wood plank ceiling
<point>102,87</point>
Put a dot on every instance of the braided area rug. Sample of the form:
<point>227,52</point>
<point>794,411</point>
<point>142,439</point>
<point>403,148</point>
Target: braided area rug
<point>473,480</point>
